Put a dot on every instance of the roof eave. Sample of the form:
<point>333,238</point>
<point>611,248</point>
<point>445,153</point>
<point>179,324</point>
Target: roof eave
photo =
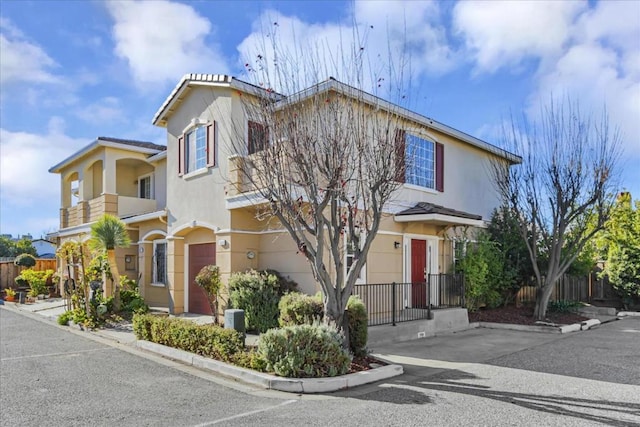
<point>439,218</point>
<point>100,143</point>
<point>343,88</point>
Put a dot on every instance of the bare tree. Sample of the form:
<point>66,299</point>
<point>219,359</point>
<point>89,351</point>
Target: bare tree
<point>563,191</point>
<point>324,157</point>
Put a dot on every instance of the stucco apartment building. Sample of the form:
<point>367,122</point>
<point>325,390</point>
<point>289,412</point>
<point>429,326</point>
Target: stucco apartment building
<point>187,205</point>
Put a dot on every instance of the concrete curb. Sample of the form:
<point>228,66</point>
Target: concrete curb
<point>629,314</point>
<point>272,382</point>
<point>575,327</point>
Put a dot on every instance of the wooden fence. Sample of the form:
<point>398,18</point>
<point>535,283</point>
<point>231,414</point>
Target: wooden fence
<point>9,271</point>
<point>587,289</point>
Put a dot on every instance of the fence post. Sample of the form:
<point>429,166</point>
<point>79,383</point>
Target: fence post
<point>428,283</point>
<point>462,299</point>
<point>393,304</point>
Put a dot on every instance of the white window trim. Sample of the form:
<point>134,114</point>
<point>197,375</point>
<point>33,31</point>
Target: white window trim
<point>152,189</point>
<point>434,142</point>
<point>196,173</point>
<point>362,277</point>
<point>419,188</point>
<point>153,263</point>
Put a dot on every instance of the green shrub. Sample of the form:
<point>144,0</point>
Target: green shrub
<point>249,359</point>
<point>297,309</point>
<point>304,351</point>
<point>285,284</point>
<point>564,306</point>
<point>301,309</point>
<point>25,260</point>
<point>64,318</point>
<point>132,302</point>
<point>257,294</point>
<point>206,340</point>
<point>482,270</point>
<point>208,279</point>
<point>358,330</point>
<point>36,280</point>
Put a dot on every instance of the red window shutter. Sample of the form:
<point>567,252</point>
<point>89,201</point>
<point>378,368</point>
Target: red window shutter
<point>400,151</point>
<point>439,167</point>
<point>211,144</point>
<point>181,155</point>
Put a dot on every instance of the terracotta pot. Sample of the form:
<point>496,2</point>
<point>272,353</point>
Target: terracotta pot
<point>10,298</point>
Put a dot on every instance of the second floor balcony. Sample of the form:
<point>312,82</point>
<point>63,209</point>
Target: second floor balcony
<point>88,211</point>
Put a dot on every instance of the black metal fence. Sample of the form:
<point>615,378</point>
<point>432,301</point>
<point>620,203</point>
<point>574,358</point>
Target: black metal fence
<point>391,303</point>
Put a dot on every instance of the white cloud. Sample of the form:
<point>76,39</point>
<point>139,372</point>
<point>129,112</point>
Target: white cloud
<point>22,60</point>
<point>24,164</point>
<point>396,40</point>
<point>162,40</point>
<point>415,27</point>
<point>600,68</point>
<point>107,110</point>
<point>501,33</point>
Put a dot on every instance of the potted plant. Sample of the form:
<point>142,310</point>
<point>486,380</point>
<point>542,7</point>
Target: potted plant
<point>9,295</point>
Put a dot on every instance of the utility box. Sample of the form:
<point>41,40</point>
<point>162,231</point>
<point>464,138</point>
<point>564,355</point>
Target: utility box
<point>234,319</point>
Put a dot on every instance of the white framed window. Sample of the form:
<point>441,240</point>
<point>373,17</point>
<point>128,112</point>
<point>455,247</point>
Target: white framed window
<point>159,277</point>
<point>197,148</point>
<point>351,243</point>
<point>420,161</point>
<point>145,187</point>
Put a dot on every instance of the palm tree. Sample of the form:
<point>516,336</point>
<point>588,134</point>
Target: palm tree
<point>107,234</point>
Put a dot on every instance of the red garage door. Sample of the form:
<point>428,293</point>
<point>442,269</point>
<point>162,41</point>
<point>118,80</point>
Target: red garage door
<point>199,256</point>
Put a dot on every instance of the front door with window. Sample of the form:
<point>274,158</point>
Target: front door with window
<point>199,256</point>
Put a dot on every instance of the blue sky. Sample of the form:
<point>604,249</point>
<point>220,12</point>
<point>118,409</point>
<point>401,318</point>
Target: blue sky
<point>75,70</point>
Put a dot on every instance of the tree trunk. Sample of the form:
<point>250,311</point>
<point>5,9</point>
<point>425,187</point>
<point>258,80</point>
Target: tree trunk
<point>334,316</point>
<point>542,301</point>
<point>113,266</point>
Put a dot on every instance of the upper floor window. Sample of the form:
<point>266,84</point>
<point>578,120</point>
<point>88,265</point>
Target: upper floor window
<point>420,161</point>
<point>145,187</point>
<point>197,148</point>
<point>257,137</point>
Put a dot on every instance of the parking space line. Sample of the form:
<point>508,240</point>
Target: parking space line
<point>33,356</point>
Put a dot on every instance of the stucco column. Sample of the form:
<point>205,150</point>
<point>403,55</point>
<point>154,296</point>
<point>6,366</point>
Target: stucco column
<point>86,186</point>
<point>109,176</point>
<point>175,274</point>
<point>145,258</point>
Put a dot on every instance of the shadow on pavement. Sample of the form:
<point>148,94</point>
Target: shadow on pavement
<point>452,381</point>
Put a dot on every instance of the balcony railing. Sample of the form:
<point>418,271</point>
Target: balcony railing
<point>88,211</point>
<point>391,303</point>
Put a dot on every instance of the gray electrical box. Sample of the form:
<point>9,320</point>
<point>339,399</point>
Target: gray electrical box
<point>234,319</point>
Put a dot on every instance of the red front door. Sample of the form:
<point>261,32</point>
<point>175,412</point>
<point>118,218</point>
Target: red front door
<point>418,265</point>
<point>199,256</point>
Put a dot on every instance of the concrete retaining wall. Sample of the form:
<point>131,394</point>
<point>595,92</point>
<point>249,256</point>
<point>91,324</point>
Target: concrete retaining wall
<point>444,320</point>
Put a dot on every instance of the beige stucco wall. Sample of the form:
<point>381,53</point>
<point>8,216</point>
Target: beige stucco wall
<point>467,182</point>
<point>199,197</point>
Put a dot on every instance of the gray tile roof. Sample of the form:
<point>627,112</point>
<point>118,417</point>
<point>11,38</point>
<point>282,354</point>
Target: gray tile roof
<point>134,143</point>
<point>424,208</point>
